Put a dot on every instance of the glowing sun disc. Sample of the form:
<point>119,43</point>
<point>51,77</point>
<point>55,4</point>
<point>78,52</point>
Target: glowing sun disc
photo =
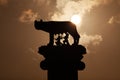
<point>76,19</point>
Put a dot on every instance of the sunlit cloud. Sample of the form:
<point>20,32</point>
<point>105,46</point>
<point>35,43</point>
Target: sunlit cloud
<point>28,16</point>
<point>90,39</point>
<point>3,2</point>
<point>41,2</point>
<point>68,8</point>
<point>111,20</point>
<point>114,20</point>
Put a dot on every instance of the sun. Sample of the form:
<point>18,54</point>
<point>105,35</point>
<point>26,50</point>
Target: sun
<point>76,19</point>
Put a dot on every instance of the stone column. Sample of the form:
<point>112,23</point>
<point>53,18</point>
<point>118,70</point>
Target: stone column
<point>62,62</point>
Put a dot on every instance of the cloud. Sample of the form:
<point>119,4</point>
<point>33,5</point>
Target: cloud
<point>66,8</point>
<point>3,2</point>
<point>114,20</point>
<point>28,16</point>
<point>41,2</point>
<point>111,20</point>
<point>90,39</point>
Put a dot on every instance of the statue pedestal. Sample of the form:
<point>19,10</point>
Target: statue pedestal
<point>62,62</point>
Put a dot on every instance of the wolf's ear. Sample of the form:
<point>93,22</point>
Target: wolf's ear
<point>35,21</point>
<point>41,20</point>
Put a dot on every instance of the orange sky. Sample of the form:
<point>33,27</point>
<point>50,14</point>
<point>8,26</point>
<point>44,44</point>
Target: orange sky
<point>19,40</point>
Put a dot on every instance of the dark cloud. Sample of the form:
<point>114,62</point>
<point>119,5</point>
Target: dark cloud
<point>28,16</point>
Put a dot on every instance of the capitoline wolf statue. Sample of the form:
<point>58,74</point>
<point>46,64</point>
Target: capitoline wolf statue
<point>58,27</point>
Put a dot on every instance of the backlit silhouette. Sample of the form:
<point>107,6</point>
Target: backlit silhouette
<point>57,27</point>
<point>62,60</point>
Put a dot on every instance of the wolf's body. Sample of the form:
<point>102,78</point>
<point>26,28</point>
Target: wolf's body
<point>57,27</point>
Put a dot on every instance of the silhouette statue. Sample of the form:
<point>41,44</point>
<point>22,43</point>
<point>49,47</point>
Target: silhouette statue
<point>61,60</point>
<point>57,27</point>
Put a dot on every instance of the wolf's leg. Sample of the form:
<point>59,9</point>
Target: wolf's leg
<point>76,40</point>
<point>51,39</point>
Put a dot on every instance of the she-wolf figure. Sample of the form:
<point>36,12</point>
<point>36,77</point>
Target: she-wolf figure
<point>57,27</point>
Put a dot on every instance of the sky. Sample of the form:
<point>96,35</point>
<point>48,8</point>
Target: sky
<point>19,41</point>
